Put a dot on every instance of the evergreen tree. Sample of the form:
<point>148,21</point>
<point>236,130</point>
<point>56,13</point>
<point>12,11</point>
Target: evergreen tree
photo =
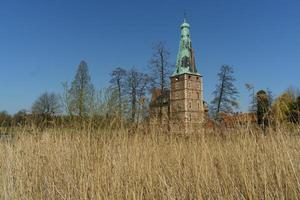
<point>81,91</point>
<point>225,94</point>
<point>263,107</point>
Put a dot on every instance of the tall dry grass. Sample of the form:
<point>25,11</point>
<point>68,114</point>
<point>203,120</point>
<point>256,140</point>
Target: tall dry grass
<point>105,164</point>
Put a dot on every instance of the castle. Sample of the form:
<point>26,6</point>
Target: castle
<point>181,109</point>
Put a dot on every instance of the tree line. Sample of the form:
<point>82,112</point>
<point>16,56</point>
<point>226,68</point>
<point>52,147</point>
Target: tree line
<point>127,97</point>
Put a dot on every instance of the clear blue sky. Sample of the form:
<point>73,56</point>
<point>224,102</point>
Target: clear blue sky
<point>42,42</point>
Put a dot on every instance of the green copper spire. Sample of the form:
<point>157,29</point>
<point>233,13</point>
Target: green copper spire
<point>185,58</point>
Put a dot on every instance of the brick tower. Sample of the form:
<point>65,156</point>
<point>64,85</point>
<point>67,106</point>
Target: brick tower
<point>186,94</point>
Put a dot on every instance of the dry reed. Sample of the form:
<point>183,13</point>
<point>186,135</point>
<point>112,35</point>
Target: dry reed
<point>112,164</point>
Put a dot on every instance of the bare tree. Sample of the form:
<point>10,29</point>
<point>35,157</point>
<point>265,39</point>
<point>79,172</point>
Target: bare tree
<point>160,70</point>
<point>250,88</point>
<point>118,84</point>
<point>226,93</point>
<point>137,83</point>
<point>106,103</point>
<point>81,91</point>
<point>65,99</point>
<point>160,66</point>
<point>47,103</point>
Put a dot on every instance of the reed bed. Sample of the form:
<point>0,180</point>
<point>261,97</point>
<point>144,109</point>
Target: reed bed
<point>240,163</point>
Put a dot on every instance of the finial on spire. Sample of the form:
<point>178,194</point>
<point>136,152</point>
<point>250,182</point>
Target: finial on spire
<point>185,23</point>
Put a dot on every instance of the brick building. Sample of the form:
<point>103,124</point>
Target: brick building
<point>181,108</point>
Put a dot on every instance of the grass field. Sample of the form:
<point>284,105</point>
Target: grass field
<point>105,164</point>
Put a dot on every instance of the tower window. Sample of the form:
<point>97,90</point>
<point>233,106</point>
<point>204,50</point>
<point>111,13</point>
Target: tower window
<point>190,104</point>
